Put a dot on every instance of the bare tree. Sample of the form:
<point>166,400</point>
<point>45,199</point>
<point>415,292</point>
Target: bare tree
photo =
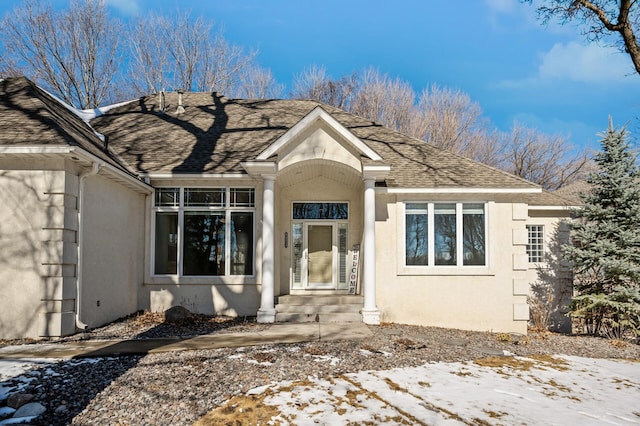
<point>183,53</point>
<point>259,83</point>
<point>314,83</point>
<point>75,53</point>
<point>449,119</point>
<point>549,161</point>
<point>600,18</point>
<point>387,101</point>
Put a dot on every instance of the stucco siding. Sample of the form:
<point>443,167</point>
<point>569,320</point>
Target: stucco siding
<point>113,221</point>
<point>474,299</point>
<point>38,240</point>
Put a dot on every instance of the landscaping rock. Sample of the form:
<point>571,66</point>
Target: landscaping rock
<point>32,409</point>
<point>176,314</point>
<point>17,400</point>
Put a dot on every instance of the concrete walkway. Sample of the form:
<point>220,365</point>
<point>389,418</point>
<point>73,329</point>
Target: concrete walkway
<point>276,333</point>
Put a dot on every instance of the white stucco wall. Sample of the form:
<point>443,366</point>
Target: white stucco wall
<point>38,250</point>
<point>219,295</point>
<point>554,274</point>
<point>480,299</point>
<point>113,221</point>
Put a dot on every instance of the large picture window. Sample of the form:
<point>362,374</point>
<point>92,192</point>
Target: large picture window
<point>445,234</point>
<point>204,231</point>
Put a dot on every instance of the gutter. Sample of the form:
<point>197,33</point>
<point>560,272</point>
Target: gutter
<point>95,168</point>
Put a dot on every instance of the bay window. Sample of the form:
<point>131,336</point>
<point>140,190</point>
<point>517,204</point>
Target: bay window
<point>445,234</point>
<point>204,231</point>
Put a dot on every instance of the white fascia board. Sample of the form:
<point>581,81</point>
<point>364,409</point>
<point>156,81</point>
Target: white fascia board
<point>376,171</point>
<point>260,168</point>
<point>36,149</point>
<point>318,113</point>
<point>560,208</point>
<point>187,176</point>
<point>460,190</point>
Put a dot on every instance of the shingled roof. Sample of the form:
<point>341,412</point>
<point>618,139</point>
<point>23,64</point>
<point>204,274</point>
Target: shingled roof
<point>215,134</point>
<point>30,117</point>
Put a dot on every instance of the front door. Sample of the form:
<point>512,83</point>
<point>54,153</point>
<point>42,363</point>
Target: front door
<point>320,255</point>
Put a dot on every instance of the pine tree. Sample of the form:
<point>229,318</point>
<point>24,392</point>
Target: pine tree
<point>605,249</point>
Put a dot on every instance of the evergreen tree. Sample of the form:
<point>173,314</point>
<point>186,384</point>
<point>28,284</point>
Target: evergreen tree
<point>606,242</point>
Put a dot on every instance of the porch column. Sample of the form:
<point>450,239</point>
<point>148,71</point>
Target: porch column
<point>370,312</point>
<point>267,312</point>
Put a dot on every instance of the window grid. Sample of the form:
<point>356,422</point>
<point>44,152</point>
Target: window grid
<point>218,223</point>
<point>535,243</point>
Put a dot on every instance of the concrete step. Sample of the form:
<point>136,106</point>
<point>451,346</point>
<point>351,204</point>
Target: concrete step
<point>340,317</point>
<point>321,318</point>
<point>321,300</point>
<point>295,317</point>
<point>318,309</point>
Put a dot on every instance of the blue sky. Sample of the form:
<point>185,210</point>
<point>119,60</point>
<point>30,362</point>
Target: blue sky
<point>494,50</point>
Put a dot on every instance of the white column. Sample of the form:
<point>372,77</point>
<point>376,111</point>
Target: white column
<point>370,312</point>
<point>267,312</point>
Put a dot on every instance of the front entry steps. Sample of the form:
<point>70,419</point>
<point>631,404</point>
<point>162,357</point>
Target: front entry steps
<point>318,308</point>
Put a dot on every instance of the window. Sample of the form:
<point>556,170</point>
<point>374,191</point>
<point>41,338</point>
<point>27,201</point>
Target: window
<point>535,243</point>
<point>445,234</point>
<point>204,231</point>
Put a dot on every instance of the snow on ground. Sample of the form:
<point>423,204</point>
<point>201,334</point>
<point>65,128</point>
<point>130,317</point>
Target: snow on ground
<point>504,390</point>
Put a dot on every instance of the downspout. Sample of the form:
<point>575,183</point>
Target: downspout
<point>95,168</point>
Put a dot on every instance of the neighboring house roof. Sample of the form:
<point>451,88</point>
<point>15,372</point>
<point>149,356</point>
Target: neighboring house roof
<point>215,135</point>
<point>30,117</point>
<point>548,198</point>
<point>572,191</point>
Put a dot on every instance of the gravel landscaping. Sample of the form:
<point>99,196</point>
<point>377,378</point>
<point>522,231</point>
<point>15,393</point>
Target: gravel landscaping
<point>180,387</point>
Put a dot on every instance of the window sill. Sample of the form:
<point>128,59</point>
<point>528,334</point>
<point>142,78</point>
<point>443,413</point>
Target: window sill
<point>446,271</point>
<point>200,280</point>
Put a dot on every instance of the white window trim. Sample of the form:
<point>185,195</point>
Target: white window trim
<point>442,270</point>
<point>179,277</point>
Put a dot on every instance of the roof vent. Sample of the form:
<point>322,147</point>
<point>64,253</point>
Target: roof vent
<point>180,109</point>
<point>161,100</point>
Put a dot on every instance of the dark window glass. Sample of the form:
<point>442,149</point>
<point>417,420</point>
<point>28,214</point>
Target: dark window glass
<point>416,236</point>
<point>326,211</point>
<point>204,243</point>
<point>166,250</point>
<point>167,197</point>
<point>445,233</point>
<point>241,243</point>
<point>473,230</point>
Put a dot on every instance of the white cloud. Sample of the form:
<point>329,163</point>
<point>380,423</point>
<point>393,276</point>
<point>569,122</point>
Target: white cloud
<point>126,7</point>
<point>583,63</point>
<point>501,6</point>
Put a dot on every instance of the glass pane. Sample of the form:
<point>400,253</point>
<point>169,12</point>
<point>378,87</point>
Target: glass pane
<point>327,211</point>
<point>342,253</point>
<point>535,246</point>
<point>204,243</point>
<point>199,197</point>
<point>445,234</point>
<point>241,243</point>
<point>242,197</point>
<point>167,197</point>
<point>296,255</point>
<point>416,234</point>
<point>474,238</point>
<point>166,247</point>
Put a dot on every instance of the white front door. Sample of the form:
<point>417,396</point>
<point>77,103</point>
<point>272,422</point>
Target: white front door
<point>320,253</point>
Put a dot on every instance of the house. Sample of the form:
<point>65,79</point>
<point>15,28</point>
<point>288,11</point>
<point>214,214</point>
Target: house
<point>252,207</point>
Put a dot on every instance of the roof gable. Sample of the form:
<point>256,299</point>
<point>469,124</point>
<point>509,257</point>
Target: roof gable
<point>313,119</point>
